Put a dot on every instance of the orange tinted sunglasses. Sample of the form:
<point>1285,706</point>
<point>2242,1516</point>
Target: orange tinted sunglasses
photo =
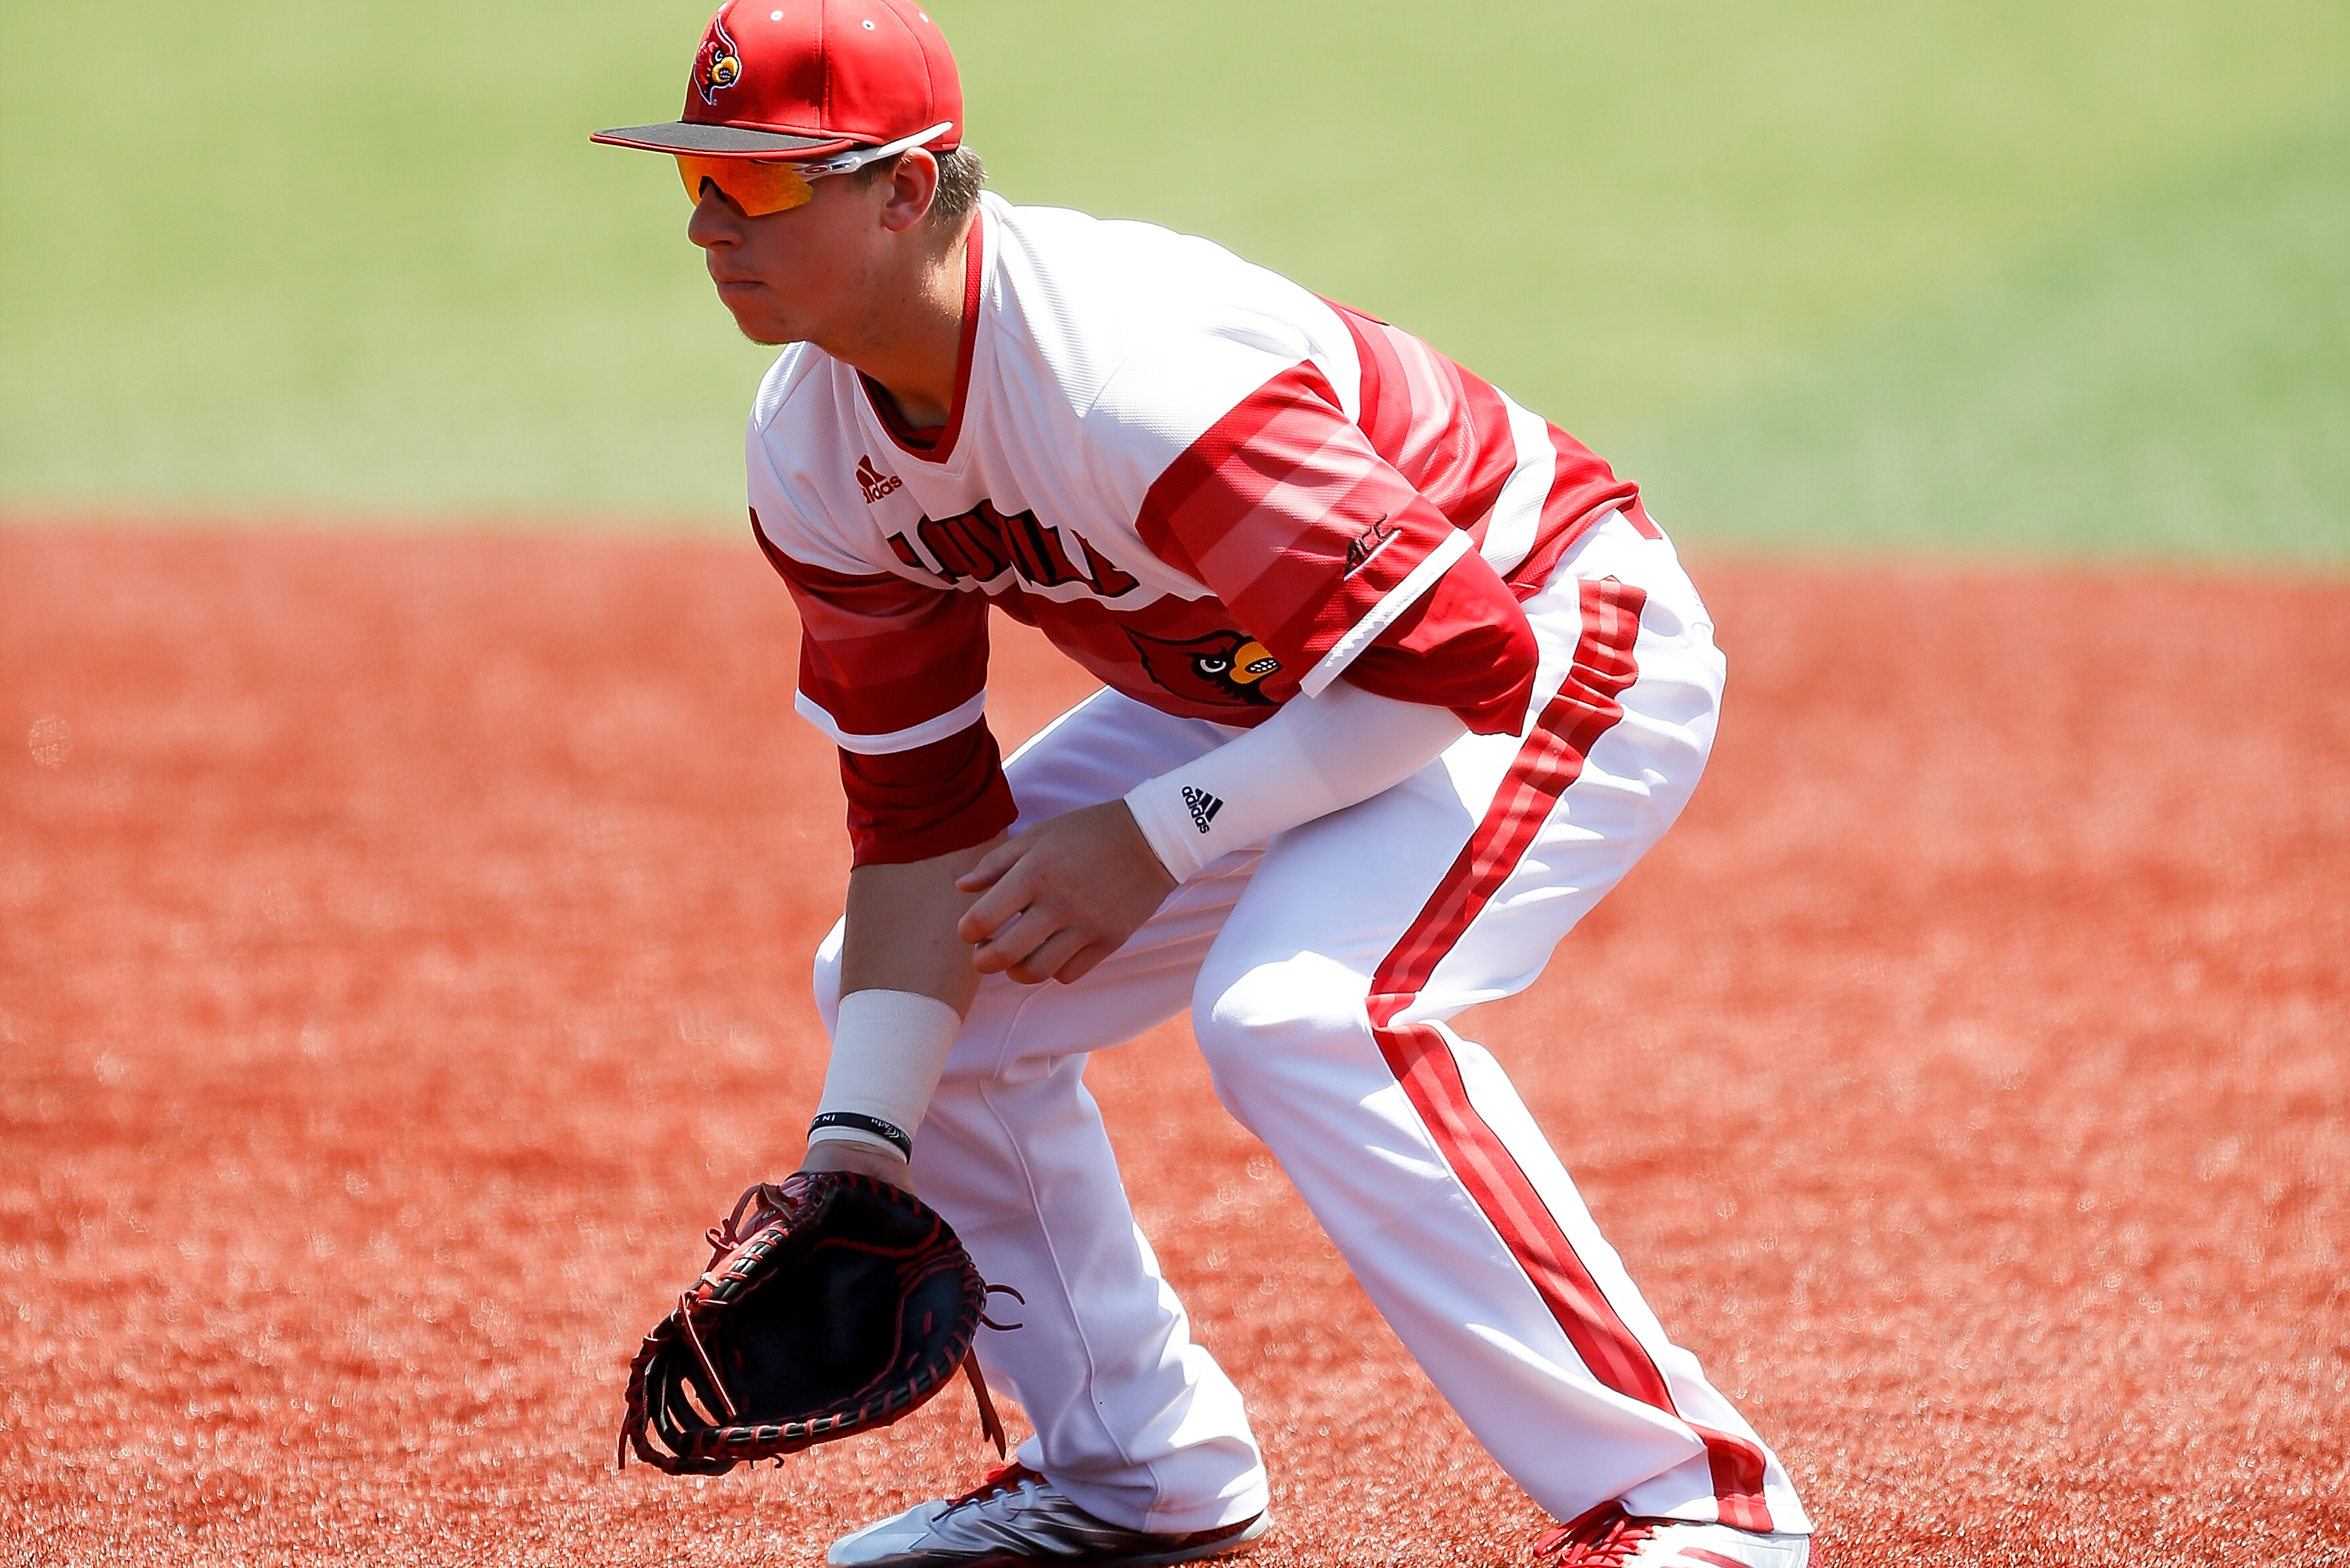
<point>757,188</point>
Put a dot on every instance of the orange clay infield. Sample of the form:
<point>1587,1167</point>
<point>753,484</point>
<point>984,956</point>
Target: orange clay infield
<point>404,956</point>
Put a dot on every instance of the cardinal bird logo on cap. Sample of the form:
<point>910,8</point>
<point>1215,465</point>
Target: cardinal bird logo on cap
<point>1226,667</point>
<point>719,65</point>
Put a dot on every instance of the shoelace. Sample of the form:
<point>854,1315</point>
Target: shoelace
<point>1604,1538</point>
<point>1003,1479</point>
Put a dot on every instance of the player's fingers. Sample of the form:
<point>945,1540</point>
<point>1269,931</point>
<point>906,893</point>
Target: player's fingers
<point>999,860</point>
<point>1008,895</point>
<point>1077,968</point>
<point>996,955</point>
<point>1014,942</point>
<point>980,923</point>
<point>1048,958</point>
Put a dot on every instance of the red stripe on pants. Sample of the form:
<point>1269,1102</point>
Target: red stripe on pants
<point>1587,705</point>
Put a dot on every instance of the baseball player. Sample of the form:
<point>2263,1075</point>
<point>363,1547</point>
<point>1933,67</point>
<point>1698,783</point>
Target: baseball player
<point>1397,680</point>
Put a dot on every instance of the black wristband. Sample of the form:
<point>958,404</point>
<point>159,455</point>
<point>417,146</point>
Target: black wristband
<point>889,1132</point>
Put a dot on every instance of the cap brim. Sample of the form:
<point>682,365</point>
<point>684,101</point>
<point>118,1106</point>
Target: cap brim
<point>720,140</point>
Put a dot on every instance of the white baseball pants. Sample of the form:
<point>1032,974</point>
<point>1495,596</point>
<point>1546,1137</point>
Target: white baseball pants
<point>1319,972</point>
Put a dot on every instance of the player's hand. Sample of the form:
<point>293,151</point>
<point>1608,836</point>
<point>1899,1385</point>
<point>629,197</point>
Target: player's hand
<point>839,1154</point>
<point>1063,896</point>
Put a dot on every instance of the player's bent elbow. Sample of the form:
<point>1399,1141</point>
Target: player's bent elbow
<point>1511,683</point>
<point>1481,669</point>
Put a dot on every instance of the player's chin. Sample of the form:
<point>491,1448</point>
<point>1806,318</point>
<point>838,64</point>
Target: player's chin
<point>754,315</point>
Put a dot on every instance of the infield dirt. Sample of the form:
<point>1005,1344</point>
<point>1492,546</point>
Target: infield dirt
<point>404,951</point>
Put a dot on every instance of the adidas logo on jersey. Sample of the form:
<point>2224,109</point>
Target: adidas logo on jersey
<point>873,481</point>
<point>1203,806</point>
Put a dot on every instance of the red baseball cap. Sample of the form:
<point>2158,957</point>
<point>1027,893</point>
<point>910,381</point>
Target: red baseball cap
<point>801,79</point>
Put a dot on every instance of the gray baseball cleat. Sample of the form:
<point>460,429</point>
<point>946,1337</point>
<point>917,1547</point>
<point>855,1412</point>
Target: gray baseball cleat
<point>1017,1517</point>
<point>1608,1537</point>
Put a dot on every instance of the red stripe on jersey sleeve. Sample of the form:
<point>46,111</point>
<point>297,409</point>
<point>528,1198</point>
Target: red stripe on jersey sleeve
<point>931,801</point>
<point>1300,527</point>
<point>1444,430</point>
<point>1465,635</point>
<point>880,655</point>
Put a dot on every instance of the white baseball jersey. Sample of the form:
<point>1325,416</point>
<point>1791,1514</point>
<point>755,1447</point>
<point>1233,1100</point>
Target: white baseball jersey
<point>1210,487</point>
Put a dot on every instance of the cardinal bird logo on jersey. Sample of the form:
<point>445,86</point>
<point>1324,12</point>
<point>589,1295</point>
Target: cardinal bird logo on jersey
<point>719,65</point>
<point>1225,667</point>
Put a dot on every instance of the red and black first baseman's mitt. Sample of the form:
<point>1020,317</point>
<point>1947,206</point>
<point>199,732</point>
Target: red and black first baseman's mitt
<point>833,1304</point>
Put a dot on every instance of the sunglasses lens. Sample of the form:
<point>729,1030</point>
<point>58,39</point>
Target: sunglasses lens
<point>757,188</point>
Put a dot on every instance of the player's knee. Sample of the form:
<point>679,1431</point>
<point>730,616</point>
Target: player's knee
<point>1252,1017</point>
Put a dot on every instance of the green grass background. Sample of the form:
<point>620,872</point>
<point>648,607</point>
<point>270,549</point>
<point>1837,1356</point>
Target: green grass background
<point>2062,277</point>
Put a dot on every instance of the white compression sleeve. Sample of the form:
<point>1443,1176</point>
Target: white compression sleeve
<point>1317,756</point>
<point>889,1048</point>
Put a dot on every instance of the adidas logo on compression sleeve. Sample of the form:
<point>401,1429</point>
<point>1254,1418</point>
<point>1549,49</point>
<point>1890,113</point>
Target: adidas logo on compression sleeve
<point>1203,806</point>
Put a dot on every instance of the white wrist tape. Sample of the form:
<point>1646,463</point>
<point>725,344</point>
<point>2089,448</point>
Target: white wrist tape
<point>889,1048</point>
<point>1317,756</point>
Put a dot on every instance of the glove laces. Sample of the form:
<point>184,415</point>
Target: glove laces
<point>724,1238</point>
<point>1606,1537</point>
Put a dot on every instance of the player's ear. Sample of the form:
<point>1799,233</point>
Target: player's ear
<point>913,186</point>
